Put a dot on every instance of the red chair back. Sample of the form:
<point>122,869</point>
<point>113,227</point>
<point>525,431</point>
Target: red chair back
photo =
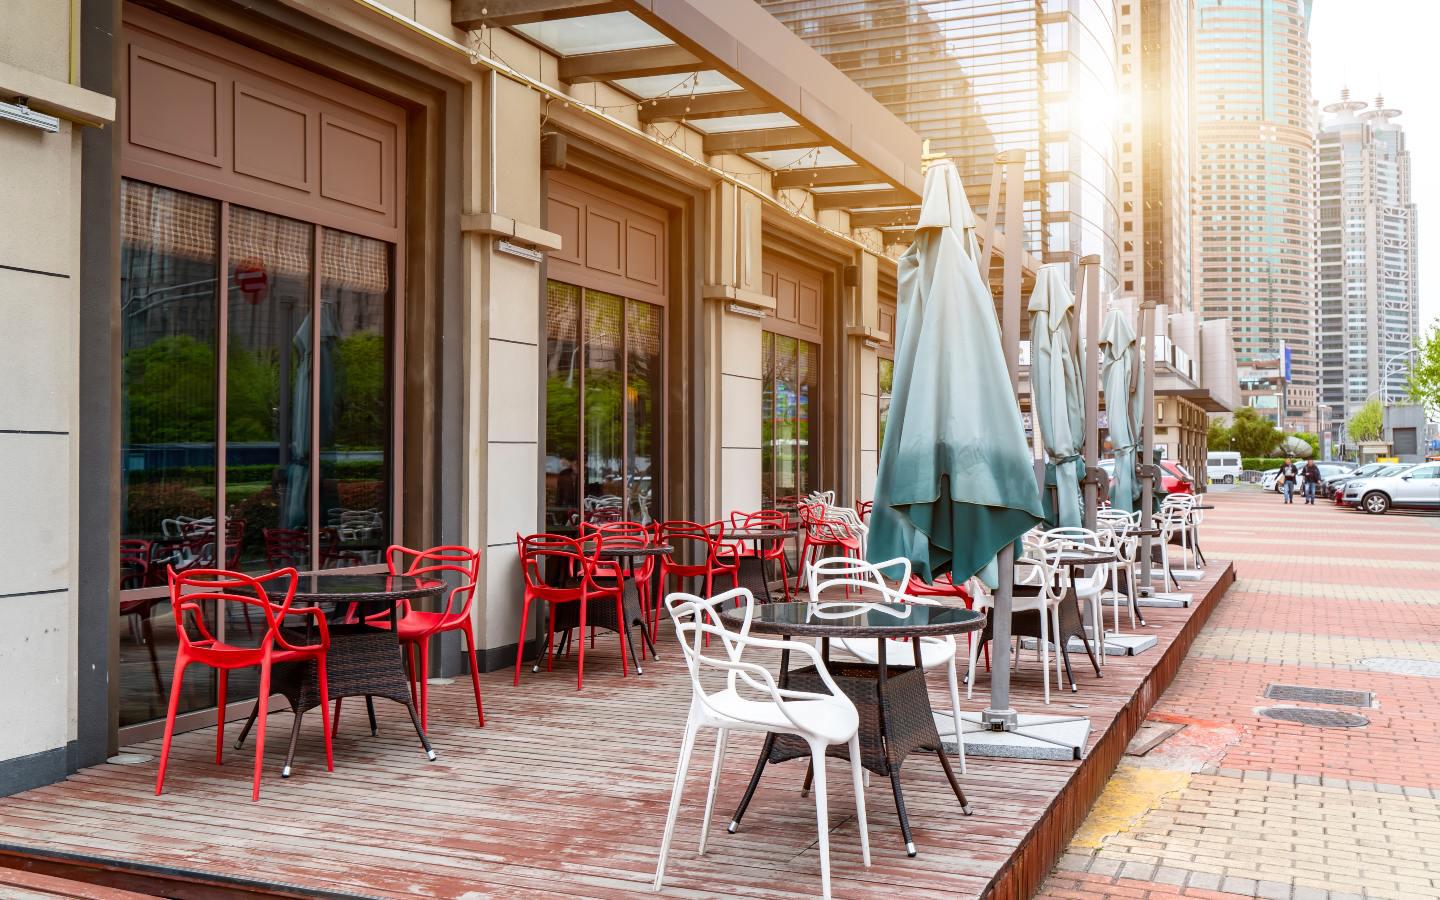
<point>542,556</point>
<point>197,597</point>
<point>435,563</point>
<point>135,554</point>
<point>286,547</point>
<point>691,540</point>
<point>863,507</point>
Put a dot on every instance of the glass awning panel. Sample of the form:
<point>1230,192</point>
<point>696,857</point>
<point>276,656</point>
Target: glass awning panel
<point>742,123</point>
<point>593,34</point>
<point>706,82</point>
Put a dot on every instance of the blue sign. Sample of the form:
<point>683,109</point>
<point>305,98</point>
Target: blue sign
<point>1285,363</point>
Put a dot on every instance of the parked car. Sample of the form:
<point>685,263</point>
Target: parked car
<point>1223,467</point>
<point>1335,483</point>
<point>1328,469</point>
<point>1384,470</point>
<point>1416,487</point>
<point>1174,478</point>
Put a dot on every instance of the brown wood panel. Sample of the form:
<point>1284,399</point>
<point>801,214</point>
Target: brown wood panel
<point>799,293</point>
<point>564,792</point>
<point>610,240</point>
<point>205,115</point>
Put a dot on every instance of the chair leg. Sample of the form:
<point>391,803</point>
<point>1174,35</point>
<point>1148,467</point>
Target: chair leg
<point>177,679</point>
<point>822,815</point>
<point>262,696</point>
<point>580,675</point>
<point>970,674</point>
<point>423,680</point>
<point>324,679</point>
<point>687,746</point>
<point>716,765</point>
<point>624,634</point>
<point>221,678</point>
<point>335,723</point>
<point>474,670</point>
<point>857,778</point>
<point>1044,652</point>
<point>520,650</point>
<point>955,712</point>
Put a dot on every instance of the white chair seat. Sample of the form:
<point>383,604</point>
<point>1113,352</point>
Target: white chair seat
<point>835,723</point>
<point>932,653</point>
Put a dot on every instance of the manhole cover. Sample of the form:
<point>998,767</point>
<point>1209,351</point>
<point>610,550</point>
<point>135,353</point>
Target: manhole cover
<point>1394,665</point>
<point>1320,718</point>
<point>1301,694</point>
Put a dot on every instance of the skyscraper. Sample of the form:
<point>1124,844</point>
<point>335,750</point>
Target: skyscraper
<point>984,76</point>
<point>1255,194</point>
<point>1156,150</point>
<point>1369,314</point>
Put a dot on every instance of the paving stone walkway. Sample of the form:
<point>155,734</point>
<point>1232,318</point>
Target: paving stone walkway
<point>1237,805</point>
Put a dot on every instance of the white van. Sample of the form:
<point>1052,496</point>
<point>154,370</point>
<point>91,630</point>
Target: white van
<point>1223,468</point>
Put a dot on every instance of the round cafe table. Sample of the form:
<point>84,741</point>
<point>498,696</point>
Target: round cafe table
<point>752,565</point>
<point>364,659</point>
<point>894,705</point>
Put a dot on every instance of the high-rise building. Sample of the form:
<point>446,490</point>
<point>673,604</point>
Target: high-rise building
<point>985,76</point>
<point>1254,202</point>
<point>1369,314</point>
<point>1156,150</point>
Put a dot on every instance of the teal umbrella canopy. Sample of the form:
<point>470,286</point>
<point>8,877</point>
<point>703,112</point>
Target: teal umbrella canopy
<point>955,483</point>
<point>1120,374</point>
<point>1057,389</point>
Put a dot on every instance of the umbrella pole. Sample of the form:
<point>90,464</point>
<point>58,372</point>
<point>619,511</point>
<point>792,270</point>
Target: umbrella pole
<point>1090,298</point>
<point>1147,442</point>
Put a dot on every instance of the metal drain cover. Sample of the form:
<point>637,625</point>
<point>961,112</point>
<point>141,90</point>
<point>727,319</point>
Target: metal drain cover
<point>1301,694</point>
<point>1395,665</point>
<point>1320,718</point>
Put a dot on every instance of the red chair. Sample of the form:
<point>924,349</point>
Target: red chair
<point>135,556</point>
<point>863,507</point>
<point>200,594</point>
<point>770,550</point>
<point>560,570</point>
<point>705,543</point>
<point>825,537</point>
<point>286,547</point>
<point>418,626</point>
<point>944,586</point>
<point>630,534</point>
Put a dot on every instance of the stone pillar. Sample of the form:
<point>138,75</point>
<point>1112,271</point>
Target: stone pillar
<point>734,309</point>
<point>863,338</point>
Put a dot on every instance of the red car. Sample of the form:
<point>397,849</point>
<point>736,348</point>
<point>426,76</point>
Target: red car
<point>1174,479</point>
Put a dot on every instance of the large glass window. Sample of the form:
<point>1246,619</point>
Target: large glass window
<point>602,408</point>
<point>790,372</point>
<point>886,388</point>
<point>257,365</point>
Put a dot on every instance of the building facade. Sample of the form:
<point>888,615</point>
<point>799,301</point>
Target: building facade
<point>1020,76</point>
<point>301,278</point>
<point>1254,202</point>
<point>1369,307</point>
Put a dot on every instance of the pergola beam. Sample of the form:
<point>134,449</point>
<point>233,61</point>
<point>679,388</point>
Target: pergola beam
<point>471,14</point>
<point>823,176</point>
<point>883,218</point>
<point>666,60</point>
<point>703,106</point>
<point>788,138</point>
<point>862,199</point>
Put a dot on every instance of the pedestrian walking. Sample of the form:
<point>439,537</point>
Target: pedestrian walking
<point>1288,473</point>
<point>1310,477</point>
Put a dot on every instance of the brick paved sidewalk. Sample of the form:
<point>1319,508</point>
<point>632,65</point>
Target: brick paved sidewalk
<point>1236,805</point>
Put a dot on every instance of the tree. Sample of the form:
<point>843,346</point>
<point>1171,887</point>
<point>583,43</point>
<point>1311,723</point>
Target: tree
<point>1425,371</point>
<point>1368,422</point>
<point>1220,435</point>
<point>1253,434</point>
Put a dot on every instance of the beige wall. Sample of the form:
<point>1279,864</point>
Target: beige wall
<point>39,326</point>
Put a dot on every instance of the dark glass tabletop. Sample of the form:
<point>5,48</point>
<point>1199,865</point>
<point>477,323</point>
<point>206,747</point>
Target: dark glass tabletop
<point>846,618</point>
<point>624,550</point>
<point>758,534</point>
<point>376,588</point>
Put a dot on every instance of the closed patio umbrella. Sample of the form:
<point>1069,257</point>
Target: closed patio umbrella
<point>1057,390</point>
<point>296,511</point>
<point>1119,372</point>
<point>955,483</point>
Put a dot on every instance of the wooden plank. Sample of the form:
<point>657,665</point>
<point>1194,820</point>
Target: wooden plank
<point>703,106</point>
<point>863,199</point>
<point>471,14</point>
<point>882,218</point>
<point>666,60</point>
<point>822,176</point>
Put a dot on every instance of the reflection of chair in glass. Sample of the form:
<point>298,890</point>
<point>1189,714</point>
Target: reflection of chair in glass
<point>286,547</point>
<point>335,556</point>
<point>198,597</point>
<point>135,572</point>
<point>135,556</point>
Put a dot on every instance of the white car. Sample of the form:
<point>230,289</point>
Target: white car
<point>1270,481</point>
<point>1416,487</point>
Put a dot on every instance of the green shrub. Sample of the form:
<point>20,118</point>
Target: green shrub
<point>1260,463</point>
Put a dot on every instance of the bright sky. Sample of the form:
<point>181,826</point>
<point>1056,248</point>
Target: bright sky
<point>1388,47</point>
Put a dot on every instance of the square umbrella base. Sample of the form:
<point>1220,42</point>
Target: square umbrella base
<point>1034,737</point>
<point>1187,574</point>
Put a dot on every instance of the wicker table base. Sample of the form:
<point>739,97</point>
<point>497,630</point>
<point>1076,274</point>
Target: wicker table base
<point>362,662</point>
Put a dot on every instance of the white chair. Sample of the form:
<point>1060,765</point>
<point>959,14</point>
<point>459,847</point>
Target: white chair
<point>819,719</point>
<point>1031,571</point>
<point>842,573</point>
<point>1088,588</point>
<point>1119,528</point>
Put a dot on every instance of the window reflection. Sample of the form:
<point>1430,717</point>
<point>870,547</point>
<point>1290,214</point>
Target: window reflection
<point>602,408</point>
<point>354,408</point>
<point>886,388</point>
<point>168,304</point>
<point>790,372</point>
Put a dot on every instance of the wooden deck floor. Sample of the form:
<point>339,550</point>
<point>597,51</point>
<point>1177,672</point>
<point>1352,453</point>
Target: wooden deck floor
<point>563,793</point>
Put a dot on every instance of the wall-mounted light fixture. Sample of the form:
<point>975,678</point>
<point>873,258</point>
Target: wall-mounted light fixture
<point>21,113</point>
